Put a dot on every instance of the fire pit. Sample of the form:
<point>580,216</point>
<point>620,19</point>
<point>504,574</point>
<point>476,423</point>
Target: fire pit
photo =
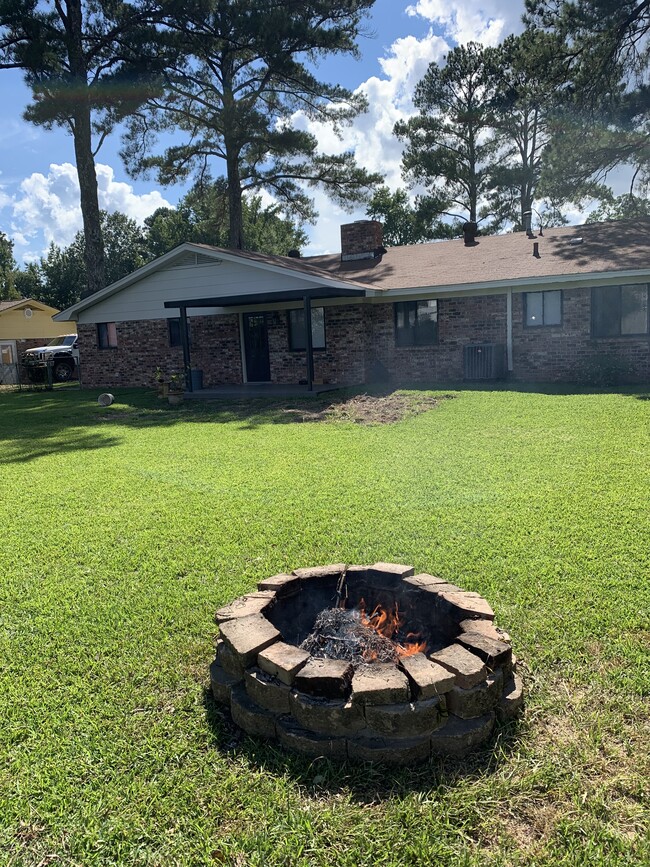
<point>365,662</point>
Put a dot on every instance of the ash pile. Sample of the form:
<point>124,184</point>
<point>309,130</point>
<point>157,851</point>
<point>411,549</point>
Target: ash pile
<point>340,634</point>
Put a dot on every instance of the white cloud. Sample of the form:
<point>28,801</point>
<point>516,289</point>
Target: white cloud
<point>390,99</point>
<point>390,96</point>
<point>47,208</point>
<point>486,21</point>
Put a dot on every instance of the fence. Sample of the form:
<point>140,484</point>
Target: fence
<point>21,377</point>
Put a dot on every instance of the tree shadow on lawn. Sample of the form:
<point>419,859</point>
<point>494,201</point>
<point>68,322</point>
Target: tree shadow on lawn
<point>369,782</point>
<point>33,425</point>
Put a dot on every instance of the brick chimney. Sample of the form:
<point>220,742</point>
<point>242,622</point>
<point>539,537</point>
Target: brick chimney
<point>363,239</point>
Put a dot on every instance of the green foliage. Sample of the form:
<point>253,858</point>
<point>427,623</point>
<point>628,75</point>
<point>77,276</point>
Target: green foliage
<point>63,272</point>
<point>607,369</point>
<point>520,103</point>
<point>166,228</point>
<point>8,290</point>
<point>449,148</point>
<point>63,276</point>
<point>124,528</point>
<point>233,94</point>
<point>604,116</point>
<point>202,217</point>
<point>403,222</point>
<point>90,64</point>
<point>481,133</point>
<point>626,207</point>
<point>29,281</point>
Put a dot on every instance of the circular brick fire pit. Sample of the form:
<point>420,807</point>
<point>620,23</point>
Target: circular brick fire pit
<point>450,672</point>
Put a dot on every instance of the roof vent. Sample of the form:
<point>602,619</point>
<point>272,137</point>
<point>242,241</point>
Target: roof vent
<point>294,254</point>
<point>575,241</point>
<point>189,259</point>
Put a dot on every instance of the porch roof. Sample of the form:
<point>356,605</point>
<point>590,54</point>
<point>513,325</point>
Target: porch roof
<point>267,297</point>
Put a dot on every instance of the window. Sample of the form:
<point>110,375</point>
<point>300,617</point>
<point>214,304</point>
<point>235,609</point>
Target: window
<point>297,336</point>
<point>542,308</point>
<point>416,323</point>
<point>106,335</point>
<point>174,329</point>
<point>619,311</point>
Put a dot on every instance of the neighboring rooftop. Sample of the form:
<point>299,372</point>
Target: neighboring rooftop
<point>7,305</point>
<point>613,246</point>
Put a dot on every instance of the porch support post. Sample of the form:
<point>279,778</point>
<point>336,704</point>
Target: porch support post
<point>509,331</point>
<point>309,343</point>
<point>185,343</point>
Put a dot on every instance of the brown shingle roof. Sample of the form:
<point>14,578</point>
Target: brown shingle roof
<point>613,246</point>
<point>6,305</point>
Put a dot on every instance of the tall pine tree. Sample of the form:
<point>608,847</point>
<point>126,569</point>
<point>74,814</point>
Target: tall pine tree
<point>449,144</point>
<point>243,75</point>
<point>89,63</point>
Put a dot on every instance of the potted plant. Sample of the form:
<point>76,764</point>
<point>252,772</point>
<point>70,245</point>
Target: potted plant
<point>176,388</point>
<point>161,383</point>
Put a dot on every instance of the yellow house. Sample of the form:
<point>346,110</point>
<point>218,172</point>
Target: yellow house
<point>24,324</point>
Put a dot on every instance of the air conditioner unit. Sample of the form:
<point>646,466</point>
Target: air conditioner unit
<point>484,361</point>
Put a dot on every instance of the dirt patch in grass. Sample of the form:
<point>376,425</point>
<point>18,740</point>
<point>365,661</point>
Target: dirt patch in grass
<point>373,409</point>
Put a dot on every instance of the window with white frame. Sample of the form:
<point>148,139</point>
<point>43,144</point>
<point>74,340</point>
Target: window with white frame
<point>543,308</point>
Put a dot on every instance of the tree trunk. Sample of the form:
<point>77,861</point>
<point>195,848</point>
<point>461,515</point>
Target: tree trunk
<point>82,134</point>
<point>93,240</point>
<point>235,211</point>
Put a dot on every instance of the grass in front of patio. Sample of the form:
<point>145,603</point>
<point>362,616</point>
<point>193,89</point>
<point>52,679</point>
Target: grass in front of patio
<point>125,528</point>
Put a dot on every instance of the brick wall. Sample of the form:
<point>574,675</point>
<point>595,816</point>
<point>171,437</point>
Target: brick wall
<point>216,350</point>
<point>144,345</point>
<point>360,347</point>
<point>343,361</point>
<point>461,321</point>
<point>568,353</point>
<point>364,236</point>
<point>29,343</point>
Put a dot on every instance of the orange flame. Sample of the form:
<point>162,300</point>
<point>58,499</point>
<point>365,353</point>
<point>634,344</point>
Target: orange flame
<point>388,622</point>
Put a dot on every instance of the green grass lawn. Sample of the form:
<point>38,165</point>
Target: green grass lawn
<point>123,529</point>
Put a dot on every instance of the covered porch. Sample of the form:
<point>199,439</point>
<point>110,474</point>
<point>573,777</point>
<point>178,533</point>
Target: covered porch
<point>253,338</point>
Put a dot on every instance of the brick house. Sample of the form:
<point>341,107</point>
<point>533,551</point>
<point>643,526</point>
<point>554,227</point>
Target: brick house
<point>559,306</point>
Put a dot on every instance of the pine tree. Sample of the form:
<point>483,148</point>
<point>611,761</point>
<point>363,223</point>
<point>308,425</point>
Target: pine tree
<point>242,77</point>
<point>449,145</point>
<point>89,64</point>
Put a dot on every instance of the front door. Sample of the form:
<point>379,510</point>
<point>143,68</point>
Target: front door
<point>256,348</point>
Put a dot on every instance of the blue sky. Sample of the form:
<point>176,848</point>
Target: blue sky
<point>38,187</point>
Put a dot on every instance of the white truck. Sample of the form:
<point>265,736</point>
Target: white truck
<point>61,354</point>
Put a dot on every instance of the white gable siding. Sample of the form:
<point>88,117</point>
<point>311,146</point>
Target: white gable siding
<point>145,299</point>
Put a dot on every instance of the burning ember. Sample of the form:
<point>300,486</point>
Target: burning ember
<point>360,637</point>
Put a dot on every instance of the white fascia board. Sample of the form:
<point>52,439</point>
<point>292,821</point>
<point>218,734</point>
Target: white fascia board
<point>528,284</point>
<point>70,314</point>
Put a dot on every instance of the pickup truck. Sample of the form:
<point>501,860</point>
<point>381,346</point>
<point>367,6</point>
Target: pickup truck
<point>61,354</point>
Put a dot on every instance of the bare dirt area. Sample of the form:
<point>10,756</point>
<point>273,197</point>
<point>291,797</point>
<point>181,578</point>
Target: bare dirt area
<point>372,409</point>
